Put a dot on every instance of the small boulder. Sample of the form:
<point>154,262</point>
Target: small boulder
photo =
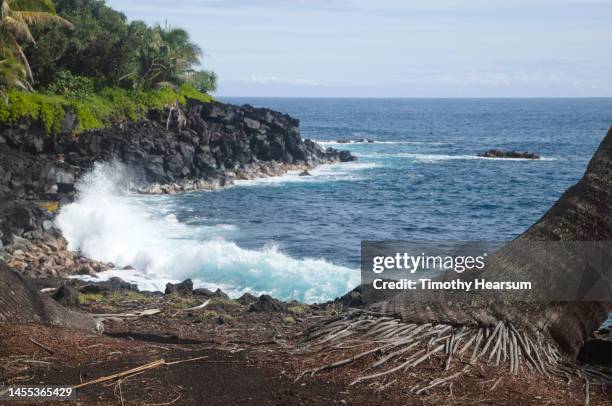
<point>221,294</point>
<point>246,299</point>
<point>67,295</point>
<point>183,288</point>
<point>304,173</point>
<point>266,303</point>
<point>87,269</point>
<point>204,292</point>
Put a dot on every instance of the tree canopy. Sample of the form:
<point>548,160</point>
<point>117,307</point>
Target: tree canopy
<point>45,45</point>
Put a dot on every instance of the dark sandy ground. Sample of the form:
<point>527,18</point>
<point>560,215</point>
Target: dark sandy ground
<point>230,356</point>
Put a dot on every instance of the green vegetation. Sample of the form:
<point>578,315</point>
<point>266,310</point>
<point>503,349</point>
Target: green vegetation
<point>114,298</point>
<point>298,309</point>
<point>16,17</point>
<point>224,301</point>
<point>82,56</point>
<point>110,105</point>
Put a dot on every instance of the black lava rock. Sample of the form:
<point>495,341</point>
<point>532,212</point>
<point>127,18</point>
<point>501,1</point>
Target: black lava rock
<point>246,299</point>
<point>266,303</point>
<point>183,288</point>
<point>67,295</point>
<point>498,153</point>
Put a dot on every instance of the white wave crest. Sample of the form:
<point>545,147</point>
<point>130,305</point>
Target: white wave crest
<point>107,224</point>
<point>346,171</point>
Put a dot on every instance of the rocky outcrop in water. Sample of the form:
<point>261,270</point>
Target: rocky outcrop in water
<point>201,146</point>
<point>498,153</point>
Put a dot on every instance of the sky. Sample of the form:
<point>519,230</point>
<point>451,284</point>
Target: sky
<point>396,48</point>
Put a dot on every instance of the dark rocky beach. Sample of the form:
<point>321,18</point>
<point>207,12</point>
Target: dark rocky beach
<point>55,330</point>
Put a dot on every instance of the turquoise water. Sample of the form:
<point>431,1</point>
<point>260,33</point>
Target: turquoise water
<point>420,180</point>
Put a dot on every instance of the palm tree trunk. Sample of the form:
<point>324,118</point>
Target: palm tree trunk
<point>583,213</point>
<point>543,337</point>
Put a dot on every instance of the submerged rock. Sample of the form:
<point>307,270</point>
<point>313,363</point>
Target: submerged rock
<point>346,156</point>
<point>498,153</point>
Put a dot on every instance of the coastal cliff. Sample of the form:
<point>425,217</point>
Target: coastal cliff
<point>192,147</point>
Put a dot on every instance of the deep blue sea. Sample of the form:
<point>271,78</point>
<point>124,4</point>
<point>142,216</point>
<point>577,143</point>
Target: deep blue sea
<point>299,237</point>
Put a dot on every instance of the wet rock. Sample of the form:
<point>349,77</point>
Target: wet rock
<point>183,288</point>
<point>498,153</point>
<point>345,156</point>
<point>67,296</point>
<point>305,173</point>
<point>267,303</point>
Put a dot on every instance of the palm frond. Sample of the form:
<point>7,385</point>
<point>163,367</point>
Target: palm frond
<point>24,60</point>
<point>45,6</point>
<point>4,9</point>
<point>16,28</point>
<point>39,17</point>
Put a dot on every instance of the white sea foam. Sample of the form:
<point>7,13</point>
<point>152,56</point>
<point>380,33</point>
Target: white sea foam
<point>336,143</point>
<point>108,224</point>
<point>346,171</point>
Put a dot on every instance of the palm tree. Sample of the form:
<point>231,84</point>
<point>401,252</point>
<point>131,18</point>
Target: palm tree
<point>165,57</point>
<point>16,17</point>
<point>12,75</point>
<point>178,53</point>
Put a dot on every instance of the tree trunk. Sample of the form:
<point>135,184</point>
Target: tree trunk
<point>583,213</point>
<point>22,303</point>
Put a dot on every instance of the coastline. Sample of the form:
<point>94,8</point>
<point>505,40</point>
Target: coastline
<point>255,171</point>
<point>161,155</point>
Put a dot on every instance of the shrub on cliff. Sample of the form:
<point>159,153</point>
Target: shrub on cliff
<point>111,105</point>
<point>67,84</point>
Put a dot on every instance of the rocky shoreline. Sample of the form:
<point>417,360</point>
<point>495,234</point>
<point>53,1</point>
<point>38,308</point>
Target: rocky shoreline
<point>202,146</point>
<point>228,178</point>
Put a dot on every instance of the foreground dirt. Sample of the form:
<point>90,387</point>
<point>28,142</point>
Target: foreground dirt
<point>224,354</point>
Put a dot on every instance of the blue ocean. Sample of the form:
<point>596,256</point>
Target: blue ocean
<point>299,237</point>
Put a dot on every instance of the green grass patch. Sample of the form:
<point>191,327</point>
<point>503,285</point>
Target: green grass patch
<point>100,110</point>
<point>87,298</point>
<point>182,302</point>
<point>223,301</point>
<point>114,297</point>
<point>297,309</point>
